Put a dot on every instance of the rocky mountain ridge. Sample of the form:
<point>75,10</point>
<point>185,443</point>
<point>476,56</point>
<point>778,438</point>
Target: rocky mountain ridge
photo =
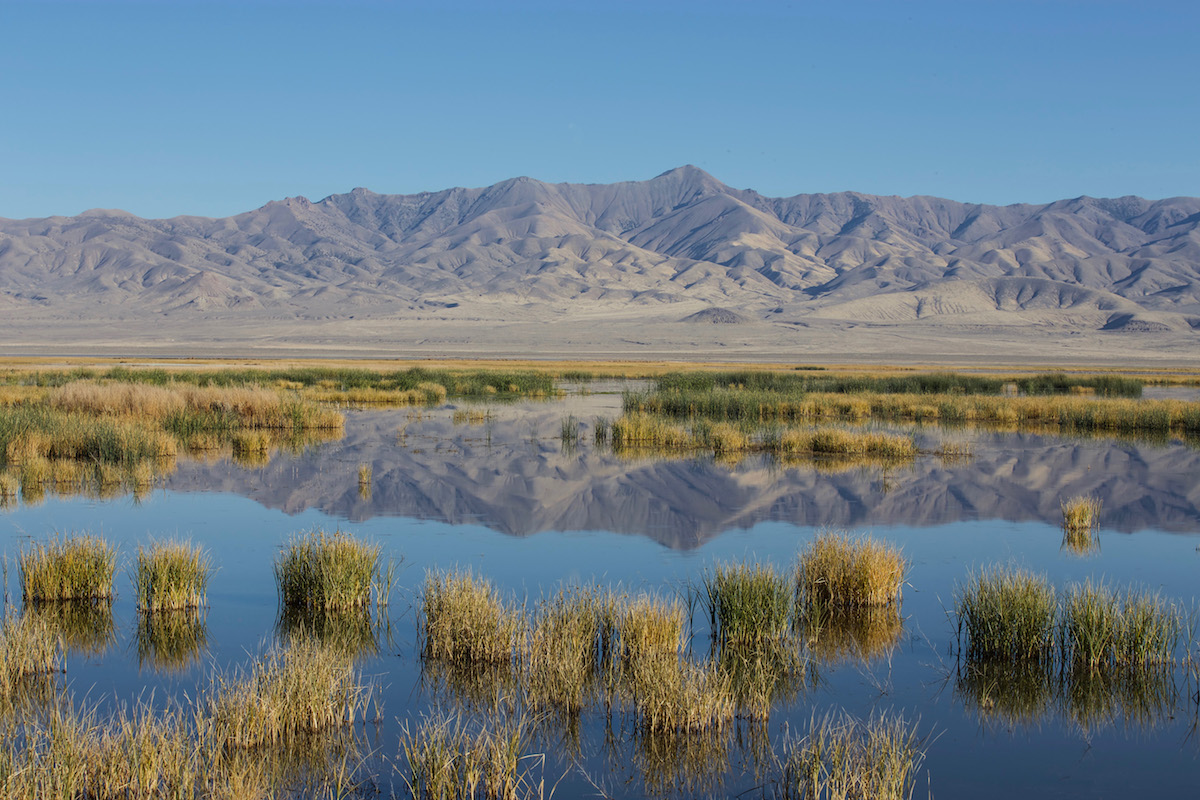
<point>661,249</point>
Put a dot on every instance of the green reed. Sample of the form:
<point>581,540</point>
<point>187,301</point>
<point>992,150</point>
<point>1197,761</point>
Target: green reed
<point>465,620</point>
<point>327,571</point>
<point>68,568</point>
<point>748,602</point>
<point>1102,628</point>
<point>449,757</point>
<point>171,576</point>
<point>1006,615</point>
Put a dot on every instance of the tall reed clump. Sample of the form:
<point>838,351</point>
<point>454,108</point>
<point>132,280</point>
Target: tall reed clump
<point>748,602</point>
<point>751,613</point>
<point>1103,629</point>
<point>842,758</point>
<point>327,571</point>
<point>564,647</point>
<point>1006,614</point>
<point>301,688</point>
<point>77,567</point>
<point>838,571</point>
<point>1081,519</point>
<point>466,621</point>
<point>171,576</point>
<point>449,758</point>
<point>668,692</point>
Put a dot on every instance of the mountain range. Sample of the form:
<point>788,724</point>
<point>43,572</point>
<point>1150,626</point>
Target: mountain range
<point>677,250</point>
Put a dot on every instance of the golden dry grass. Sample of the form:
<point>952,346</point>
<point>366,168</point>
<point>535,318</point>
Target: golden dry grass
<point>840,571</point>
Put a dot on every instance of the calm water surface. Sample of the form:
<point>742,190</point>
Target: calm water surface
<point>499,494</point>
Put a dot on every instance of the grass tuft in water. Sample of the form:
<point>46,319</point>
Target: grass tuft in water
<point>1081,520</point>
<point>171,576</point>
<point>29,647</point>
<point>843,758</point>
<point>71,568</point>
<point>327,571</point>
<point>301,688</point>
<point>449,757</point>
<point>838,571</point>
<point>465,619</point>
<point>1102,629</point>
<point>1006,614</point>
<point>563,649</point>
<point>748,603</point>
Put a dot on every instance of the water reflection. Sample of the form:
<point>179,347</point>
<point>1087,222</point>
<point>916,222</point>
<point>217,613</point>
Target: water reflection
<point>1027,694</point>
<point>85,626</point>
<point>837,635</point>
<point>354,632</point>
<point>512,474</point>
<point>170,641</point>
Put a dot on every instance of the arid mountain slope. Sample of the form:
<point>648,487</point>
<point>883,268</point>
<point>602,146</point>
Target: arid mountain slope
<point>661,249</point>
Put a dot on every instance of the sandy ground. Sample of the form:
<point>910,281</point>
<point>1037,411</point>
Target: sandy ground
<point>596,339</point>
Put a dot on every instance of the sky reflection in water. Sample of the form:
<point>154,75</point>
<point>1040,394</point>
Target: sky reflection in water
<point>502,498</point>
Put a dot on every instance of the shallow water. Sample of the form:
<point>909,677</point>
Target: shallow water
<point>502,496</point>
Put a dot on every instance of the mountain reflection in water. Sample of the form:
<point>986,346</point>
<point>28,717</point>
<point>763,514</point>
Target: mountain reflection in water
<point>507,470</point>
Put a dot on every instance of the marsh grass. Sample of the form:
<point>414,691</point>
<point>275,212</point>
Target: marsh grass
<point>650,627</point>
<point>300,688</point>
<point>1103,629</point>
<point>725,440</point>
<point>748,603</point>
<point>849,759</point>
<point>563,650</point>
<point>321,570</point>
<point>174,752</point>
<point>364,478</point>
<point>29,647</point>
<point>840,571</point>
<point>171,576</point>
<point>1006,614</point>
<point>170,641</point>
<point>1081,521</point>
<point>449,757</point>
<point>464,619</point>
<point>72,567</point>
<point>83,626</point>
<point>763,674</point>
<point>671,694</point>
<point>1072,414</point>
<point>837,635</point>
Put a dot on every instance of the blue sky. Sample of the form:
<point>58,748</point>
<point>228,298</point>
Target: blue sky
<point>213,108</point>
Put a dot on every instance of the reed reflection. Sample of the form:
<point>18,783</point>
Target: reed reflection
<point>85,626</point>
<point>170,641</point>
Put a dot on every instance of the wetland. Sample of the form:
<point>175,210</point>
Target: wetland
<point>579,585</point>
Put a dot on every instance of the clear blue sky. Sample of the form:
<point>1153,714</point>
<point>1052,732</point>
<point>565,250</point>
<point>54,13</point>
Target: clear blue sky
<point>213,108</point>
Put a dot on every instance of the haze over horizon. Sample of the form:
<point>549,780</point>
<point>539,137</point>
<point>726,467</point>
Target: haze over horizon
<point>217,108</point>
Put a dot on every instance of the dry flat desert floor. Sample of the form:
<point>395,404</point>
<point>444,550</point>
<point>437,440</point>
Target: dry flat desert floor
<point>596,338</point>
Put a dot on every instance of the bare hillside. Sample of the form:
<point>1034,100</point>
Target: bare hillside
<point>397,269</point>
